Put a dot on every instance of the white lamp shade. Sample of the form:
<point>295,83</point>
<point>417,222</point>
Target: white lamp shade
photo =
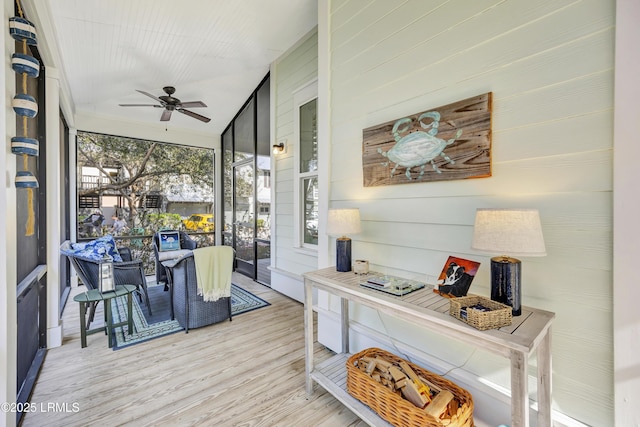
<point>512,232</point>
<point>341,222</point>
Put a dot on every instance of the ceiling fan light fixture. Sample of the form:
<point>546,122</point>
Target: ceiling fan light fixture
<point>171,104</point>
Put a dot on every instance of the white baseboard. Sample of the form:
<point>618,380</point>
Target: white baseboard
<point>54,336</point>
<point>287,285</point>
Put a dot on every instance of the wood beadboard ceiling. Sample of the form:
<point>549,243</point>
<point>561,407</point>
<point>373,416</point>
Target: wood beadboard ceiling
<point>215,51</point>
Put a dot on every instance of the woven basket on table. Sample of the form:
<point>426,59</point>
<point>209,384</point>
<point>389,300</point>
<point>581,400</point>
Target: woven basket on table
<point>499,316</point>
<point>395,409</point>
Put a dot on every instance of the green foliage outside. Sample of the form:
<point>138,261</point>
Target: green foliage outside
<point>162,221</point>
<point>143,168</point>
<point>132,170</point>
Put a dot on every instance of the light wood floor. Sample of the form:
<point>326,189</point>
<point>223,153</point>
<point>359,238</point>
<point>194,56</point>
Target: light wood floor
<point>248,372</point>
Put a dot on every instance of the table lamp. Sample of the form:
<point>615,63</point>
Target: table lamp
<point>341,222</point>
<point>508,232</point>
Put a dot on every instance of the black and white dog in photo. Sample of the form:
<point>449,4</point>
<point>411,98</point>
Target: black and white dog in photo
<point>456,282</point>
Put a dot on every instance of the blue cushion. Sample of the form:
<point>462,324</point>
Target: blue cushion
<point>97,249</point>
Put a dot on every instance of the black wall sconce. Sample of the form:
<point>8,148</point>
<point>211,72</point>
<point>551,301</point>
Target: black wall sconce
<point>278,148</point>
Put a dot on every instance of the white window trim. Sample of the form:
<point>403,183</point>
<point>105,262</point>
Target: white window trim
<point>301,96</point>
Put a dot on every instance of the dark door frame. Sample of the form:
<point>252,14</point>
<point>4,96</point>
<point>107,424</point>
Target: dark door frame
<point>253,161</point>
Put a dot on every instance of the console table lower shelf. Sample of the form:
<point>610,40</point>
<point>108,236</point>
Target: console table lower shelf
<point>530,334</point>
<point>332,376</point>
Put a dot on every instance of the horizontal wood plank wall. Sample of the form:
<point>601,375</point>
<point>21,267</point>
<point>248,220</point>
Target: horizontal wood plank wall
<point>293,70</point>
<point>549,66</point>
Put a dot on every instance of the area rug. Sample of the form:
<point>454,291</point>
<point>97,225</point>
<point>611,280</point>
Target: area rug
<point>144,326</point>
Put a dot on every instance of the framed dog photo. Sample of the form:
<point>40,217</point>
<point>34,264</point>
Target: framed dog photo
<point>456,277</point>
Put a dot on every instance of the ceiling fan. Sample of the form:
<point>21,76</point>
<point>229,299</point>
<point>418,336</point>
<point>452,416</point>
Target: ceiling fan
<point>171,104</point>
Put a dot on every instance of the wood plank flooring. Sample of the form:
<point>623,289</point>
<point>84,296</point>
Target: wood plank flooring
<point>248,372</point>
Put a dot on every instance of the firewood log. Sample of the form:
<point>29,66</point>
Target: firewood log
<point>381,362</point>
<point>370,367</point>
<point>453,407</point>
<point>435,389</point>
<point>396,373</point>
<point>407,370</point>
<point>401,383</point>
<point>412,394</point>
<point>422,387</point>
<point>385,374</point>
<point>439,403</point>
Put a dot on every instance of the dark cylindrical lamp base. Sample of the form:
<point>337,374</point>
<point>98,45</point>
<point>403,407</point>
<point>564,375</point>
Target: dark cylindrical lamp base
<point>343,254</point>
<point>505,282</point>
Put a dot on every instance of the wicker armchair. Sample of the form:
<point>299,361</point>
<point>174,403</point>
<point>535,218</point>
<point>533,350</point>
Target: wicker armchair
<point>127,272</point>
<point>189,308</point>
<point>186,243</point>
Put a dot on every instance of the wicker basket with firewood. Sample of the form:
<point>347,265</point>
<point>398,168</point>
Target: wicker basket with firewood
<point>405,394</point>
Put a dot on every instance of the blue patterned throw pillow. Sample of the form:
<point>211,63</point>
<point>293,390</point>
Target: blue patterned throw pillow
<point>97,249</point>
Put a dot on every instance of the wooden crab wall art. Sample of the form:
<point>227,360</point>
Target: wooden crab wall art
<point>442,143</point>
<point>417,148</point>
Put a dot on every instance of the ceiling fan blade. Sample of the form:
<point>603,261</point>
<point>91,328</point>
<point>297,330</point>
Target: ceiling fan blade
<point>141,105</point>
<point>194,115</point>
<point>166,115</point>
<point>151,96</point>
<point>193,104</point>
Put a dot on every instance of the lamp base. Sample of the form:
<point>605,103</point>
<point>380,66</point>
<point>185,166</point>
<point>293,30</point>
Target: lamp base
<point>505,282</point>
<point>343,254</point>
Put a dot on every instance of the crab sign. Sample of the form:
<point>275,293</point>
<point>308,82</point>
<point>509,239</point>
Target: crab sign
<point>417,148</point>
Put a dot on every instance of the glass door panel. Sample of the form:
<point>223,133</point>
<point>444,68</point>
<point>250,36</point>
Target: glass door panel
<point>244,226</point>
<point>263,189</point>
<point>246,146</point>
<point>227,182</point>
<point>264,258</point>
<point>263,221</point>
<point>243,133</point>
<point>263,184</point>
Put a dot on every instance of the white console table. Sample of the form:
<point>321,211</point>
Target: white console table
<point>529,332</point>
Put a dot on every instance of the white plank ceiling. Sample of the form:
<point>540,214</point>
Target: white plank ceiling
<point>215,51</point>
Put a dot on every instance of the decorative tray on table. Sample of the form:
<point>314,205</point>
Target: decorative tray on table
<point>393,285</point>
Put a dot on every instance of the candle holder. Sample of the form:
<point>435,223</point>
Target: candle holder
<point>106,277</point>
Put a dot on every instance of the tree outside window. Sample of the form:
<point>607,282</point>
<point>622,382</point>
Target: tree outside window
<point>135,187</point>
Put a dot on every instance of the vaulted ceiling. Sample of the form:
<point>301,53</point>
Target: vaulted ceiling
<point>214,51</point>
